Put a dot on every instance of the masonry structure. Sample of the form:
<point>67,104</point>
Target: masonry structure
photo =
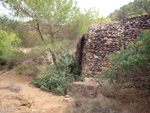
<point>106,38</point>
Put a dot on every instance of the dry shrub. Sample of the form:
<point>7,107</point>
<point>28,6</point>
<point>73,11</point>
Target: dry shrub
<point>140,106</point>
<point>31,63</point>
<point>95,105</point>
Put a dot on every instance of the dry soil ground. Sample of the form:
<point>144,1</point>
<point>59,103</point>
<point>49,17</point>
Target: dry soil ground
<point>18,95</point>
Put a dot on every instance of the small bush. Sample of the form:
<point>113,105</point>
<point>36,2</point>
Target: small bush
<point>66,71</point>
<point>28,69</point>
<point>8,44</point>
<point>1,66</point>
<point>3,61</point>
<point>132,64</point>
<point>10,65</point>
<point>20,69</point>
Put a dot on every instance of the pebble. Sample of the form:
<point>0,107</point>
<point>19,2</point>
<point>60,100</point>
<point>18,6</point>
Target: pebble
<point>66,100</point>
<point>33,110</point>
<point>66,96</point>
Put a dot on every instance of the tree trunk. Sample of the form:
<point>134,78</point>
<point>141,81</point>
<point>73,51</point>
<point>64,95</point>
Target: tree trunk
<point>52,38</point>
<point>41,36</point>
<point>52,33</point>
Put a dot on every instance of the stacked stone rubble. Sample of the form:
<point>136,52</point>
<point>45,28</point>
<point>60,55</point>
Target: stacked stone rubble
<point>104,39</point>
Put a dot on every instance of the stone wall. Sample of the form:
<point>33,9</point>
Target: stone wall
<point>104,39</point>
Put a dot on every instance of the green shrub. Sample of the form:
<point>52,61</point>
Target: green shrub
<point>2,61</point>
<point>10,65</point>
<point>20,69</point>
<point>1,66</point>
<point>131,64</point>
<point>8,44</point>
<point>60,77</point>
<point>27,69</point>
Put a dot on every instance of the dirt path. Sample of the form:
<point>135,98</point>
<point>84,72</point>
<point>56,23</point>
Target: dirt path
<point>18,95</point>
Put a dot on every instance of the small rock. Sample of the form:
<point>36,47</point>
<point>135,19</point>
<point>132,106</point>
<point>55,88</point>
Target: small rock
<point>66,96</point>
<point>95,56</point>
<point>50,94</point>
<point>33,110</point>
<point>89,40</point>
<point>65,99</point>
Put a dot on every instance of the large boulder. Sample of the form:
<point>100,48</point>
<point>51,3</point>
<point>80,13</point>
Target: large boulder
<point>87,88</point>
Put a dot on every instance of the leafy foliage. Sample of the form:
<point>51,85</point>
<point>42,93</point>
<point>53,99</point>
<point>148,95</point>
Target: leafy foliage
<point>2,62</point>
<point>60,77</point>
<point>133,9</point>
<point>10,65</point>
<point>55,18</point>
<point>7,24</point>
<point>51,17</point>
<point>103,20</point>
<point>131,64</point>
<point>8,44</point>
